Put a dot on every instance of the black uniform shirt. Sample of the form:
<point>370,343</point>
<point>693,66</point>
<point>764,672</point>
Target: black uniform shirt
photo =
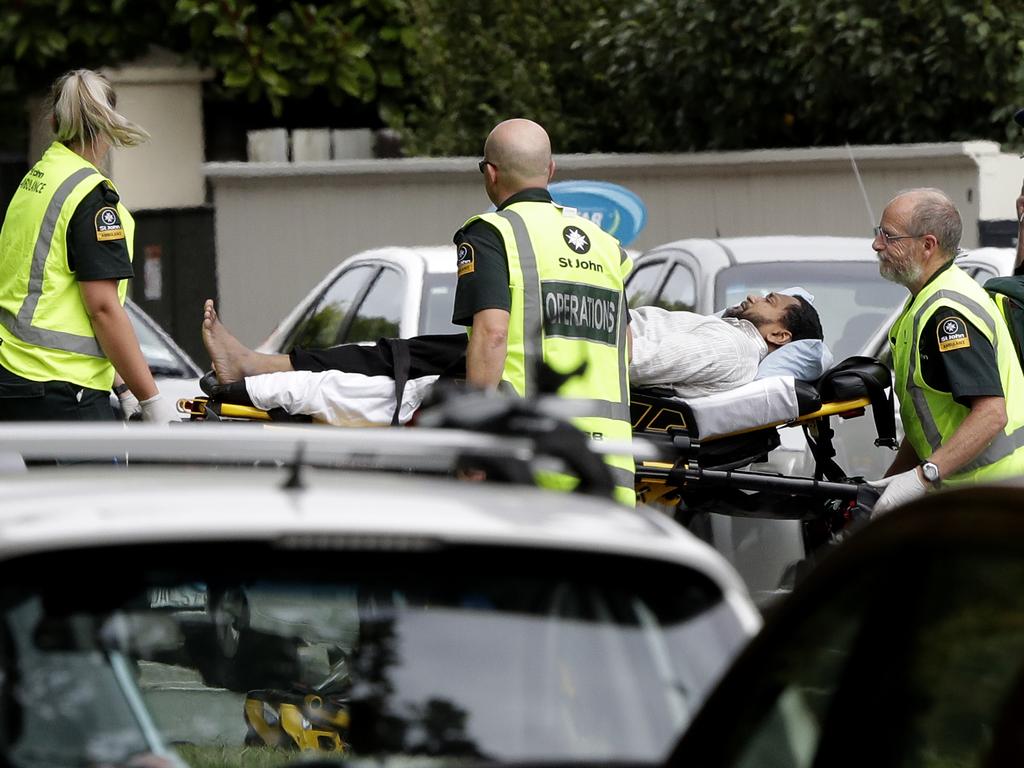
<point>97,249</point>
<point>483,264</point>
<point>956,357</point>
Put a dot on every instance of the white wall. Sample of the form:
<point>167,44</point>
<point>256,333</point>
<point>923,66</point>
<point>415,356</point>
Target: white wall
<point>280,227</point>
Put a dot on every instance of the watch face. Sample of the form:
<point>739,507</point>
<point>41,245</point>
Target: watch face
<point>930,471</point>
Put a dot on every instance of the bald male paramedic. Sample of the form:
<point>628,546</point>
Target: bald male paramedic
<point>538,282</point>
<point>959,384</point>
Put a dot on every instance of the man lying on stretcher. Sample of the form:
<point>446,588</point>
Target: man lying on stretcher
<point>353,384</point>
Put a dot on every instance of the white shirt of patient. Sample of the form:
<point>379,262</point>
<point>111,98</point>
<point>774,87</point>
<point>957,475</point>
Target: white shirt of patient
<point>694,354</point>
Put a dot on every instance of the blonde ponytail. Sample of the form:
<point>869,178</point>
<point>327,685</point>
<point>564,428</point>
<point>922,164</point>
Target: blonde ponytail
<point>83,111</point>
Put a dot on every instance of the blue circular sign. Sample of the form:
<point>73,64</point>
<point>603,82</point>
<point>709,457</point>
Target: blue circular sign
<point>615,209</point>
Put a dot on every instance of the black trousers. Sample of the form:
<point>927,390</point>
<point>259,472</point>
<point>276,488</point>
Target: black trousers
<point>25,400</point>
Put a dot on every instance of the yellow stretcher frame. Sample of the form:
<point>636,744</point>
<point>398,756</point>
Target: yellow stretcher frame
<point>197,409</point>
<point>654,489</point>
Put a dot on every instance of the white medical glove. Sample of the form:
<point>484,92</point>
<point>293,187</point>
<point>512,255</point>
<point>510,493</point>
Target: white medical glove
<point>129,405</point>
<point>157,410</point>
<point>899,490</point>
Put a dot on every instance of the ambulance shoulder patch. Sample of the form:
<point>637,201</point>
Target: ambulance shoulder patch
<point>952,334</point>
<point>108,225</point>
<point>465,259</point>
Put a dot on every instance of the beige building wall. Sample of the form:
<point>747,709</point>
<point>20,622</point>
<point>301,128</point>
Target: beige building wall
<point>165,98</point>
<point>280,226</point>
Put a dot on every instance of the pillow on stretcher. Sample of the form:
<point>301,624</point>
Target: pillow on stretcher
<point>806,360</point>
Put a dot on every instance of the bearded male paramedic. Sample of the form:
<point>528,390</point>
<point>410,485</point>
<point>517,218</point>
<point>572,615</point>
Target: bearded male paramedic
<point>537,282</point>
<point>956,373</point>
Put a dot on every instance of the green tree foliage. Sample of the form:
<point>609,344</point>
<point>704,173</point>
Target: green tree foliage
<point>477,61</point>
<point>677,75</point>
<point>345,50</point>
<point>812,72</point>
<point>342,50</point>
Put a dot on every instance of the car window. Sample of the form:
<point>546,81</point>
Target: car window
<point>643,283</point>
<point>980,273</point>
<point>679,292</point>
<point>380,313</point>
<point>852,299</point>
<point>383,657</point>
<point>437,304</point>
<point>161,358</point>
<point>326,319</point>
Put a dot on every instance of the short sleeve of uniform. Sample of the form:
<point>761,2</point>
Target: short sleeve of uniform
<point>97,248</point>
<point>482,272</point>
<point>957,358</point>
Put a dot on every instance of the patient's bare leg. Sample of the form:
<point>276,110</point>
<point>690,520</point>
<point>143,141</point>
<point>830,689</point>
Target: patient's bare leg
<point>232,360</point>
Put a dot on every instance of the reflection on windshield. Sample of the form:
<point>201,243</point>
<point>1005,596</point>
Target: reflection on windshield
<point>376,666</point>
<point>852,299</point>
<point>158,355</point>
<point>437,305</point>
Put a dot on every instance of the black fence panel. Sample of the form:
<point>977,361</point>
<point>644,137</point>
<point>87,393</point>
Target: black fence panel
<point>175,271</point>
<point>12,170</point>
<point>997,233</point>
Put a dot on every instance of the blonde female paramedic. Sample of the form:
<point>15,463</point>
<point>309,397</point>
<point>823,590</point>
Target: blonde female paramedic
<point>65,259</point>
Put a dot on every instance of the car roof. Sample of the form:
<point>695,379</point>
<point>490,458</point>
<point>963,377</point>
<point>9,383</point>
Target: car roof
<point>55,508</point>
<point>435,258</point>
<point>178,487</point>
<point>725,251</point>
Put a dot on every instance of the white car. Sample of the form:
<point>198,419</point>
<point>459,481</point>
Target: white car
<point>856,306</point>
<point>387,615</point>
<point>176,374</point>
<point>385,292</point>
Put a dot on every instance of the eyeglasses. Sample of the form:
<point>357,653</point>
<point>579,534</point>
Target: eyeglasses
<point>890,239</point>
<point>484,163</point>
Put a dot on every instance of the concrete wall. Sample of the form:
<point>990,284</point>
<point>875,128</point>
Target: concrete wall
<point>280,227</point>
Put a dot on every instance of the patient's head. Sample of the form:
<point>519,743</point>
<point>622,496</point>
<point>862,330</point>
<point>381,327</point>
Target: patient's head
<point>779,317</point>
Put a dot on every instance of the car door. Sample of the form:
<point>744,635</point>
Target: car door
<point>904,648</point>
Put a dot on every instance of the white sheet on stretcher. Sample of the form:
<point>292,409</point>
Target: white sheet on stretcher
<point>337,397</point>
<point>761,402</point>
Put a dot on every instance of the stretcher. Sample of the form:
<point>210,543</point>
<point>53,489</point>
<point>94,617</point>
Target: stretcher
<point>710,442</point>
<point>707,442</point>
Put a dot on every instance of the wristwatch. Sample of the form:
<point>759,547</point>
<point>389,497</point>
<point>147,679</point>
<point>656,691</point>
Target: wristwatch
<point>931,473</point>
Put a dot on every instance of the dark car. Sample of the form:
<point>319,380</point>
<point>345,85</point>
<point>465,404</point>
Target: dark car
<point>905,648</point>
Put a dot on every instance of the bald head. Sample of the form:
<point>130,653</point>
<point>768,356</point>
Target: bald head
<point>521,151</point>
<point>929,211</point>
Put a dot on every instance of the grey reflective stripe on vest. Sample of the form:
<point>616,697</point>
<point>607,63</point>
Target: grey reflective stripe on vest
<point>21,326</point>
<point>623,360</point>
<point>622,477</point>
<point>578,407</point>
<point>531,301</point>
<point>622,255</point>
<point>1003,444</point>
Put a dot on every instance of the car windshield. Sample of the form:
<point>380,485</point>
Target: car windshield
<point>438,303</point>
<point>202,653</point>
<point>161,358</point>
<point>852,299</point>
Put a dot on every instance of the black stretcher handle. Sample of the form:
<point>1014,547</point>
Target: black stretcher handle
<point>759,481</point>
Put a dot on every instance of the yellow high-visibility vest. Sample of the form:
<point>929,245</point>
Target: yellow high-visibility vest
<point>46,332</point>
<point>930,417</point>
<point>568,307</point>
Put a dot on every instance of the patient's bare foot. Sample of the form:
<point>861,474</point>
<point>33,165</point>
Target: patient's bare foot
<point>227,353</point>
